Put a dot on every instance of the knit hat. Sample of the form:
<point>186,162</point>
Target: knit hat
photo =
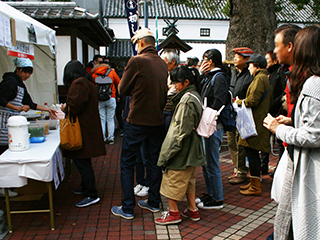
<point>141,33</point>
<point>22,62</point>
<point>257,58</point>
<point>244,51</point>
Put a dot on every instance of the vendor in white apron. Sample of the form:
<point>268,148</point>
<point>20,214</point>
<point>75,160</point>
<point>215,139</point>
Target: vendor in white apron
<point>15,98</point>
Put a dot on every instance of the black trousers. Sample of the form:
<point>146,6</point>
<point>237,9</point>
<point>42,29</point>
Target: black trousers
<point>85,169</point>
<point>254,161</point>
<point>3,149</point>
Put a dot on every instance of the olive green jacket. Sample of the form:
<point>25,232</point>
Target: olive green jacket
<point>182,145</point>
<point>256,90</point>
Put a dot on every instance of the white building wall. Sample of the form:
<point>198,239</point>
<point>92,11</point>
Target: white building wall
<point>90,52</point>
<point>79,50</point>
<point>63,55</point>
<point>188,30</point>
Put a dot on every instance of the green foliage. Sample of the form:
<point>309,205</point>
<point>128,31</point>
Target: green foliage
<point>226,9</point>
<point>59,0</point>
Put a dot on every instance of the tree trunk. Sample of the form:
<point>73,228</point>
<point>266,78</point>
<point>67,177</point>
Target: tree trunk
<point>252,25</point>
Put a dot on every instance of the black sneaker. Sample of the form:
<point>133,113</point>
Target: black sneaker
<point>211,204</point>
<point>78,191</point>
<point>87,202</point>
<point>203,198</point>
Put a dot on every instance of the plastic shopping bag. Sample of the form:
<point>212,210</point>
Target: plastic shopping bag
<point>279,176</point>
<point>245,122</point>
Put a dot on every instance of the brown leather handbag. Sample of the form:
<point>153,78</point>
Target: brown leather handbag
<point>70,133</point>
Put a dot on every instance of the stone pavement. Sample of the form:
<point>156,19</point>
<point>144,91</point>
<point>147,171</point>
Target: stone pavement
<point>243,217</point>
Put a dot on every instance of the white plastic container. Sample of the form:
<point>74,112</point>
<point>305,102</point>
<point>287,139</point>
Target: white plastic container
<point>18,133</point>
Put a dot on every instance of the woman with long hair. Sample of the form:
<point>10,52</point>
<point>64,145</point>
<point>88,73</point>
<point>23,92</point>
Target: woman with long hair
<point>214,88</point>
<point>82,101</point>
<point>299,207</point>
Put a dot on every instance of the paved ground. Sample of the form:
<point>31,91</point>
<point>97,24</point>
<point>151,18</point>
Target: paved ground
<point>242,217</point>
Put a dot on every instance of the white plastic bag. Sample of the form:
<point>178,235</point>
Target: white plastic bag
<point>245,122</point>
<point>279,176</point>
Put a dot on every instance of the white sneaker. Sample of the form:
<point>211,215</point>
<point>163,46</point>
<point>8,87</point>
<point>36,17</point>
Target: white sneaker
<point>137,189</point>
<point>11,193</point>
<point>143,192</point>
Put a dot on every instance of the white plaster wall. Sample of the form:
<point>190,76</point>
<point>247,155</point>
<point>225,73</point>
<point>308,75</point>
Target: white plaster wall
<point>63,55</point>
<point>90,53</point>
<point>188,29</point>
<point>79,50</point>
<point>198,50</point>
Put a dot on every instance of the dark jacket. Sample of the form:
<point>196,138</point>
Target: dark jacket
<point>145,80</point>
<point>216,94</point>
<point>8,90</point>
<point>182,145</point>
<point>278,82</point>
<point>240,82</point>
<point>256,90</point>
<point>83,102</point>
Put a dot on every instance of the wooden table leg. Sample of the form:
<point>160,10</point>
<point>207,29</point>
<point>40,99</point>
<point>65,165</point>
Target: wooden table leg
<point>51,205</point>
<point>8,209</point>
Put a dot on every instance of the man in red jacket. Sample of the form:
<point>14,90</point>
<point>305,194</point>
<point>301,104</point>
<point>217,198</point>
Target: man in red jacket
<point>145,80</point>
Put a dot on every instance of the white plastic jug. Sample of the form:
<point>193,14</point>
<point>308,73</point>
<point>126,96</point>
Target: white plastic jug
<point>18,133</point>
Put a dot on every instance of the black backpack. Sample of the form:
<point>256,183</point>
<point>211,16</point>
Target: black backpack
<point>228,115</point>
<point>104,83</point>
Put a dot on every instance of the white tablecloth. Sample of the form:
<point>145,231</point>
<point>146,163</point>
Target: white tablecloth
<point>35,163</point>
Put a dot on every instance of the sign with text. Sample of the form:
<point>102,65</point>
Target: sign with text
<point>22,50</point>
<point>133,19</point>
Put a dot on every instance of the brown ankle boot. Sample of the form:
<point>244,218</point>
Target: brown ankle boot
<point>245,187</point>
<point>254,189</point>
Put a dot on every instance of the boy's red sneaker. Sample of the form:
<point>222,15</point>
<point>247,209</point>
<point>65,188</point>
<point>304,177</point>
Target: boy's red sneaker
<point>193,215</point>
<point>169,217</point>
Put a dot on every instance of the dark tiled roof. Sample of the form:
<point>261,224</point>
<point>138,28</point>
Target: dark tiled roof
<point>289,14</point>
<point>173,41</point>
<point>67,14</point>
<point>116,9</point>
<point>120,49</point>
<point>53,10</point>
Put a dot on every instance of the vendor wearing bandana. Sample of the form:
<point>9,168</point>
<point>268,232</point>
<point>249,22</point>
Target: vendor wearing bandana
<point>15,98</point>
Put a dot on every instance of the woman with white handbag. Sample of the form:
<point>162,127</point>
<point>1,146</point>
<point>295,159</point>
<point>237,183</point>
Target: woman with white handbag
<point>298,212</point>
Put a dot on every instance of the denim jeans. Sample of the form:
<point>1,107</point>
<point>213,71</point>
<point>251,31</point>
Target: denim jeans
<point>107,110</point>
<point>133,137</point>
<point>211,171</point>
<point>141,177</point>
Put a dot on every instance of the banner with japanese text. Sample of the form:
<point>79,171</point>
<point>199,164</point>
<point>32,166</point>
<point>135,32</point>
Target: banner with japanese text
<point>132,18</point>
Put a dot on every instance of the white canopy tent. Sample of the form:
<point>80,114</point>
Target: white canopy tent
<point>42,83</point>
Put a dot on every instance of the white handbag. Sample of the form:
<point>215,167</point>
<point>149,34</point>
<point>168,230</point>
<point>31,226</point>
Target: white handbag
<point>279,176</point>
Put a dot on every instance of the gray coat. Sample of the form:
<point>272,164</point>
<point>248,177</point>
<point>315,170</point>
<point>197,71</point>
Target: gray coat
<point>304,187</point>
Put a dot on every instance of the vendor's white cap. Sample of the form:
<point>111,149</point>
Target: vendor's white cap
<point>143,32</point>
<point>16,121</point>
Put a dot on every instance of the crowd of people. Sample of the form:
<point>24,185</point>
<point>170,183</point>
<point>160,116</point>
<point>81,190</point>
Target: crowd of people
<point>159,104</point>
